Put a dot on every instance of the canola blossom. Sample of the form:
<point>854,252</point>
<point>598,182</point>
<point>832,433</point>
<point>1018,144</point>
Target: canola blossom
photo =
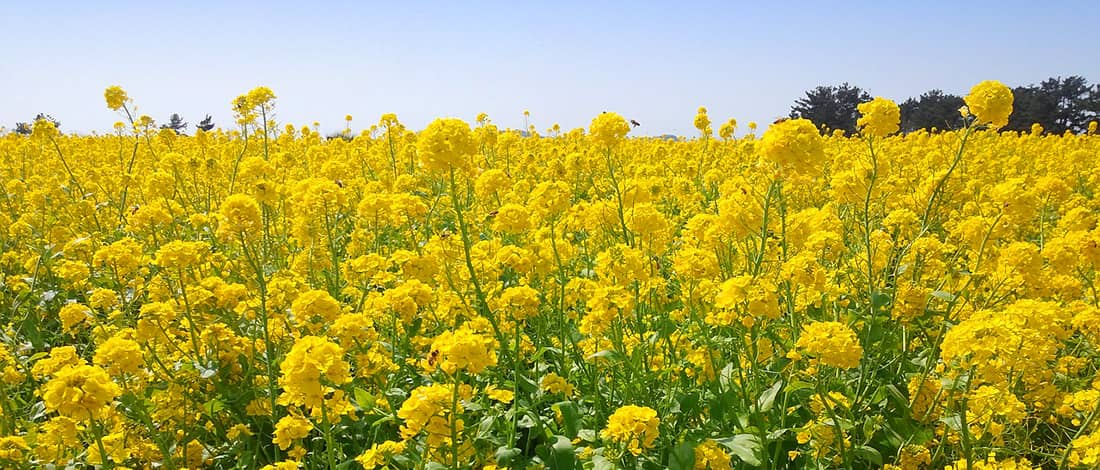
<point>466,296</point>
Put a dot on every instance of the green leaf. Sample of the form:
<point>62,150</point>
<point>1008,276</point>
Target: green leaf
<point>776,434</point>
<point>129,400</point>
<point>744,446</point>
<point>36,356</point>
<point>880,299</point>
<point>384,419</point>
<point>563,457</point>
<point>767,399</point>
<point>213,406</point>
<point>571,416</point>
<point>485,427</point>
<point>682,457</point>
<point>943,295</point>
<point>527,386</point>
<point>869,454</point>
<point>526,422</point>
<point>871,425</point>
<point>600,462</point>
<point>954,422</point>
<point>396,394</point>
<point>363,399</point>
<point>686,403</point>
<point>960,383</point>
<point>797,385</point>
<point>546,349</point>
<point>606,353</point>
<point>898,397</point>
<point>506,455</point>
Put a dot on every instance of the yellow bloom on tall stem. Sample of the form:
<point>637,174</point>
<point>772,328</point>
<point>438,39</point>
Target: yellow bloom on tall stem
<point>608,129</point>
<point>794,146</point>
<point>702,122</point>
<point>446,144</point>
<point>880,117</point>
<point>116,97</point>
<point>991,103</point>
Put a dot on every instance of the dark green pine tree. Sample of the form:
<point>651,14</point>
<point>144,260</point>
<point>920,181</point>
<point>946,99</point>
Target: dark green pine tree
<point>934,109</point>
<point>831,107</point>
<point>176,123</point>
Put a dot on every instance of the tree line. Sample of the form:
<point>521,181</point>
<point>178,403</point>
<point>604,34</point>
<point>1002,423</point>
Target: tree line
<point>1057,104</point>
<point>175,123</point>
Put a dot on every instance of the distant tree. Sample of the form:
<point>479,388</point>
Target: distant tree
<point>1071,96</point>
<point>1092,106</point>
<point>25,128</point>
<point>342,135</point>
<point>176,123</point>
<point>1058,104</point>
<point>205,124</point>
<point>1031,105</point>
<point>933,109</point>
<point>831,107</point>
<point>47,117</point>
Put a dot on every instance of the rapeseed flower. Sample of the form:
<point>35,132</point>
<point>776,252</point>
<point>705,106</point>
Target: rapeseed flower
<point>830,343</point>
<point>636,427</point>
<point>879,117</point>
<point>80,392</point>
<point>990,102</point>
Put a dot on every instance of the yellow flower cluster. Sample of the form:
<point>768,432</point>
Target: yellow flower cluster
<point>636,427</point>
<point>379,454</point>
<point>80,392</point>
<point>794,146</point>
<point>446,145</point>
<point>711,456</point>
<point>311,365</point>
<point>990,102</point>
<point>116,97</point>
<point>433,410</point>
<point>463,349</point>
<point>702,122</point>
<point>1085,451</point>
<point>608,129</point>
<point>289,429</point>
<point>830,343</point>
<point>880,117</point>
<point>992,463</point>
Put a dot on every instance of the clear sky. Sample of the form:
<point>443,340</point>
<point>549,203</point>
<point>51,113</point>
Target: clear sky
<point>565,61</point>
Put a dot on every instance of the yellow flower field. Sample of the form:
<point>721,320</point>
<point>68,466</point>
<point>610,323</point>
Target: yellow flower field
<point>470,297</point>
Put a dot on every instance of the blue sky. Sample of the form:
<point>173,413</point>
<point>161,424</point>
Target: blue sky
<point>565,61</point>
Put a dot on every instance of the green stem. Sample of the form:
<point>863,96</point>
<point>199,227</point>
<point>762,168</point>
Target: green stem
<point>330,448</point>
<point>483,304</point>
